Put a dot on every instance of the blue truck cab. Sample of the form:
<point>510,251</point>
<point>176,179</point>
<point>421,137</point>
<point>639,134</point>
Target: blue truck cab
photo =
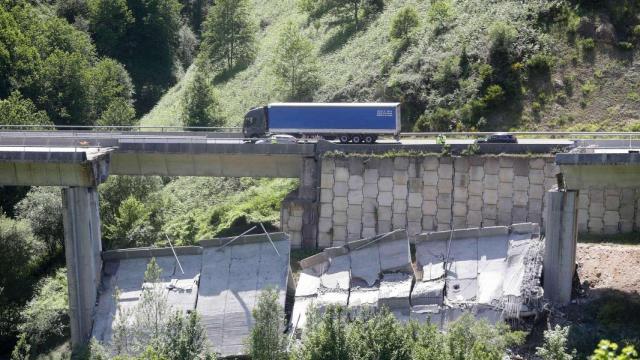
<point>348,122</point>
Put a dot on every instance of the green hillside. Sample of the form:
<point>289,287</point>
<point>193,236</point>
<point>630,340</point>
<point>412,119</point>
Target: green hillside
<point>564,65</point>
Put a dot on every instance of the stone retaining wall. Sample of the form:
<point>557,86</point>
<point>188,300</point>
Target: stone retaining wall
<point>362,196</point>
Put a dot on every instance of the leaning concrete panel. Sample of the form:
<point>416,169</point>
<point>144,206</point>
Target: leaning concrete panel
<point>231,281</point>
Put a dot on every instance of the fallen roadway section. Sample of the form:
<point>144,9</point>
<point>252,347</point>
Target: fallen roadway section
<point>492,272</point>
<point>222,280</point>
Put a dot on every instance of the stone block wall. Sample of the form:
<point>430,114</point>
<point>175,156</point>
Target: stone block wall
<point>360,197</point>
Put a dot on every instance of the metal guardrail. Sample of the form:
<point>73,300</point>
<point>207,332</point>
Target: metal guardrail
<point>149,128</point>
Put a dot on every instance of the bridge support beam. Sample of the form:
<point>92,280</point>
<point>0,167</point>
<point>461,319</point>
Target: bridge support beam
<point>561,235</point>
<point>83,246</point>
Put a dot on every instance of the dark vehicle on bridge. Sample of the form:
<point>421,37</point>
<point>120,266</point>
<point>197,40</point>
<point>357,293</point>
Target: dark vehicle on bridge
<point>347,122</point>
<point>500,138</point>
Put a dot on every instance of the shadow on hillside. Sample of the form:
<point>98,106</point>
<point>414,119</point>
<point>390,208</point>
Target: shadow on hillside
<point>341,35</point>
<point>605,314</point>
<point>632,238</point>
<point>227,75</point>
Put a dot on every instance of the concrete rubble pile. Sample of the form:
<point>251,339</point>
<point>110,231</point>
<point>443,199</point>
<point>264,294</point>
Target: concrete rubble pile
<point>221,281</point>
<point>493,272</point>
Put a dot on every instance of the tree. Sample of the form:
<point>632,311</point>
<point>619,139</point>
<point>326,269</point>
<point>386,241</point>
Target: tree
<point>131,226</point>
<point>555,344</point>
<point>378,336</point>
<point>404,23</point>
<point>16,110</point>
<point>229,34</point>
<point>266,341</point>
<point>20,251</point>
<point>295,64</point>
<point>349,9</point>
<point>184,337</point>
<point>441,13</point>
<point>110,84</point>
<point>200,107</point>
<point>187,44</point>
<point>46,315</point>
<point>110,20</point>
<point>42,210</point>
<point>325,338</point>
<point>120,112</point>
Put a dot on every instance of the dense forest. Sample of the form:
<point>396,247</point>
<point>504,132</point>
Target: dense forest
<point>453,64</point>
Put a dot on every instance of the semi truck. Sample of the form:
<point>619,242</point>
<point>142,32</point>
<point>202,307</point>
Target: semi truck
<point>347,122</point>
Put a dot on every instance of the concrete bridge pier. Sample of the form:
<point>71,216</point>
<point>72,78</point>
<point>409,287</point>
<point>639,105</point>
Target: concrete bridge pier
<point>561,236</point>
<point>83,246</point>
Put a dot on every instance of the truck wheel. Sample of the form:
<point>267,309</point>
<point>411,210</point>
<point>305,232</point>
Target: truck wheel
<point>368,139</point>
<point>357,139</point>
<point>344,139</point>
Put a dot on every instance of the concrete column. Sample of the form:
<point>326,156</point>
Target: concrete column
<point>308,194</point>
<point>82,250</point>
<point>561,236</point>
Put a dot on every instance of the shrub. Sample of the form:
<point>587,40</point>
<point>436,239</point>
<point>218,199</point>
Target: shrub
<point>42,209</point>
<point>555,345</point>
<point>46,318</point>
<point>326,337</point>
<point>441,13</point>
<point>608,350</point>
<point>625,45</point>
<point>540,63</point>
<point>378,335</point>
<point>439,120</point>
<point>266,341</point>
<point>587,45</point>
<point>404,23</point>
<point>588,87</point>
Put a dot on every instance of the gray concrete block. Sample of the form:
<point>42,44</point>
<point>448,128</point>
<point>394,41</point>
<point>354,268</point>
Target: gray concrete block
<point>506,162</point>
<point>326,210</point>
<point>444,201</point>
<point>400,177</point>
<point>326,181</point>
<point>460,209</point>
<point>536,192</point>
<point>538,163</point>
<point>428,223</point>
<point>326,196</point>
<point>475,203</point>
<point>384,226</point>
<point>429,207</point>
<point>519,214</point>
<point>476,188</point>
<point>324,225</point>
<point>445,171</point>
<point>341,174</point>
<point>430,163</point>
<point>506,175</point>
<point>400,192</point>
<point>476,173</point>
<point>491,166</point>
<point>461,180</point>
<point>370,190</point>
<point>415,185</point>
<point>385,198</point>
<point>414,200</point>
<point>386,167</point>
<point>399,207</point>
<point>399,221</point>
<point>401,163</point>
<point>371,176</point>
<point>354,212</point>
<point>474,218</point>
<point>504,218</point>
<point>520,198</point>
<point>491,182</point>
<point>536,177</point>
<point>356,182</point>
<point>414,214</point>
<point>385,213</point>
<point>340,203</point>
<point>430,178</point>
<point>355,197</point>
<point>443,217</point>
<point>340,188</point>
<point>505,189</point>
<point>339,218</point>
<point>328,166</point>
<point>489,212</point>
<point>490,197</point>
<point>521,167</point>
<point>385,184</point>
<point>429,193</point>
<point>445,186</point>
<point>356,167</point>
<point>612,202</point>
<point>521,183</point>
